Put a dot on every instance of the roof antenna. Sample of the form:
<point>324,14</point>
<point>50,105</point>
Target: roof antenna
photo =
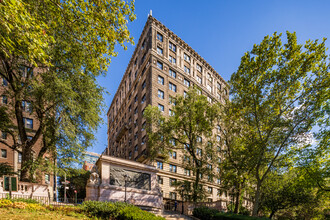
<point>150,14</point>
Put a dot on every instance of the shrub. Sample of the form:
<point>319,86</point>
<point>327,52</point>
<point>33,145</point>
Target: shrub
<point>4,203</point>
<point>204,213</point>
<point>35,207</point>
<point>32,201</point>
<point>19,205</point>
<point>117,210</point>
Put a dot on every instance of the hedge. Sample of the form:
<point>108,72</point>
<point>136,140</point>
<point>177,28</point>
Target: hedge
<point>205,213</point>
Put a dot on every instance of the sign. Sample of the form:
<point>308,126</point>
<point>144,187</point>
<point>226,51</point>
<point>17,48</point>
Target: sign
<point>10,180</point>
<point>64,183</point>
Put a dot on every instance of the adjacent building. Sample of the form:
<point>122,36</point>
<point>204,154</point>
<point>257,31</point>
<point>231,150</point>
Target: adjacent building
<point>89,160</point>
<point>162,66</point>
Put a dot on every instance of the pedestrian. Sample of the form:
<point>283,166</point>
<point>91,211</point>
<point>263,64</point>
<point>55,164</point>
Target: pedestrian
<point>175,205</point>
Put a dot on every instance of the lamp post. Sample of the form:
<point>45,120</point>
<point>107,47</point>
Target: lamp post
<point>125,178</point>
<point>182,189</point>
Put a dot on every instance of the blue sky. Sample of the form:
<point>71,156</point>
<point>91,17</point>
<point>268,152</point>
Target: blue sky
<point>220,31</point>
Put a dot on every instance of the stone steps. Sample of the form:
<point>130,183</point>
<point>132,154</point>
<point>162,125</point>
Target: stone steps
<point>168,215</point>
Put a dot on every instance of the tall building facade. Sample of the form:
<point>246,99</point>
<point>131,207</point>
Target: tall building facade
<point>162,66</point>
<point>14,157</point>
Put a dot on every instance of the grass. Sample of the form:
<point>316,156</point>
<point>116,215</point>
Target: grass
<point>23,214</point>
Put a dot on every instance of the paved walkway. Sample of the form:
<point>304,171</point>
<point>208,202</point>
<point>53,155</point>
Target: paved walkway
<point>170,215</point>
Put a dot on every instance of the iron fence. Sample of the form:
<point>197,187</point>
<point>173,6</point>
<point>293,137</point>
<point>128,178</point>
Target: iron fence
<point>44,199</point>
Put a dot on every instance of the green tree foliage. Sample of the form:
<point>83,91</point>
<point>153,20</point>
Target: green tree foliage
<point>284,191</point>
<point>51,52</point>
<point>78,180</point>
<point>277,87</point>
<point>6,169</point>
<point>193,118</point>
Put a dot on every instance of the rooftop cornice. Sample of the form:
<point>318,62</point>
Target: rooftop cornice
<point>186,46</point>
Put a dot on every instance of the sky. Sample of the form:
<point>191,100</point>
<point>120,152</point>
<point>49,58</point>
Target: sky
<point>221,31</point>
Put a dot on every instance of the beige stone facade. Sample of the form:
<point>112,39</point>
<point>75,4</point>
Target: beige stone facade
<point>162,66</point>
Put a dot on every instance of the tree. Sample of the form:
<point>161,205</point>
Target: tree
<point>284,191</point>
<point>188,129</point>
<point>237,164</point>
<point>6,169</point>
<point>78,180</point>
<point>276,88</point>
<point>51,52</point>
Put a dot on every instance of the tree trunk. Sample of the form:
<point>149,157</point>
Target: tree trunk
<point>272,214</point>
<point>26,163</point>
<point>195,187</point>
<point>238,198</point>
<point>256,200</point>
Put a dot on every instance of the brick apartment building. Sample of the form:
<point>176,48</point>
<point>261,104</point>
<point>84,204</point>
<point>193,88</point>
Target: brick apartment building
<point>14,157</point>
<point>162,66</point>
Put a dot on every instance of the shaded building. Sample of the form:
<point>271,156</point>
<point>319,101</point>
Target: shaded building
<point>89,160</point>
<point>162,66</point>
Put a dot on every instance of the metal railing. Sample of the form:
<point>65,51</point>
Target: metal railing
<point>44,199</point>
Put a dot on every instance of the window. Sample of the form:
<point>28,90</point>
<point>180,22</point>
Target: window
<point>136,148</point>
<point>199,79</point>
<point>186,82</point>
<point>159,65</point>
<point>199,152</point>
<point>172,73</point>
<point>218,138</point>
<point>143,141</point>
<point>209,166</point>
<point>209,189</point>
<point>160,80</point>
<point>160,107</point>
<point>135,98</point>
<point>198,67</point>
<point>130,155</point>
<point>27,106</point>
<point>4,82</point>
<point>209,87</point>
<point>209,99</point>
<point>160,94</point>
<point>172,154</point>
<point>209,77</point>
<point>187,172</point>
<point>159,50</point>
<point>210,178</point>
<point>143,84</point>
<point>209,200</point>
<point>218,181</point>
<point>172,181</point>
<point>19,157</point>
<point>171,100</point>
<point>159,165</point>
<point>172,142</point>
<point>143,99</point>
<point>159,37</point>
<point>143,126</point>
<point>28,122</point>
<point>218,169</point>
<point>160,180</point>
<point>172,87</point>
<point>219,86</point>
<point>4,99</point>
<point>173,195</point>
<point>199,139</point>
<point>136,110</point>
<point>3,153</point>
<point>143,44</point>
<point>172,168</point>
<point>218,96</point>
<point>4,135</point>
<point>225,90</point>
<point>185,94</point>
<point>171,112</point>
<point>47,178</point>
<point>186,57</point>
<point>172,59</point>
<point>172,47</point>
<point>219,149</point>
<point>186,70</point>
